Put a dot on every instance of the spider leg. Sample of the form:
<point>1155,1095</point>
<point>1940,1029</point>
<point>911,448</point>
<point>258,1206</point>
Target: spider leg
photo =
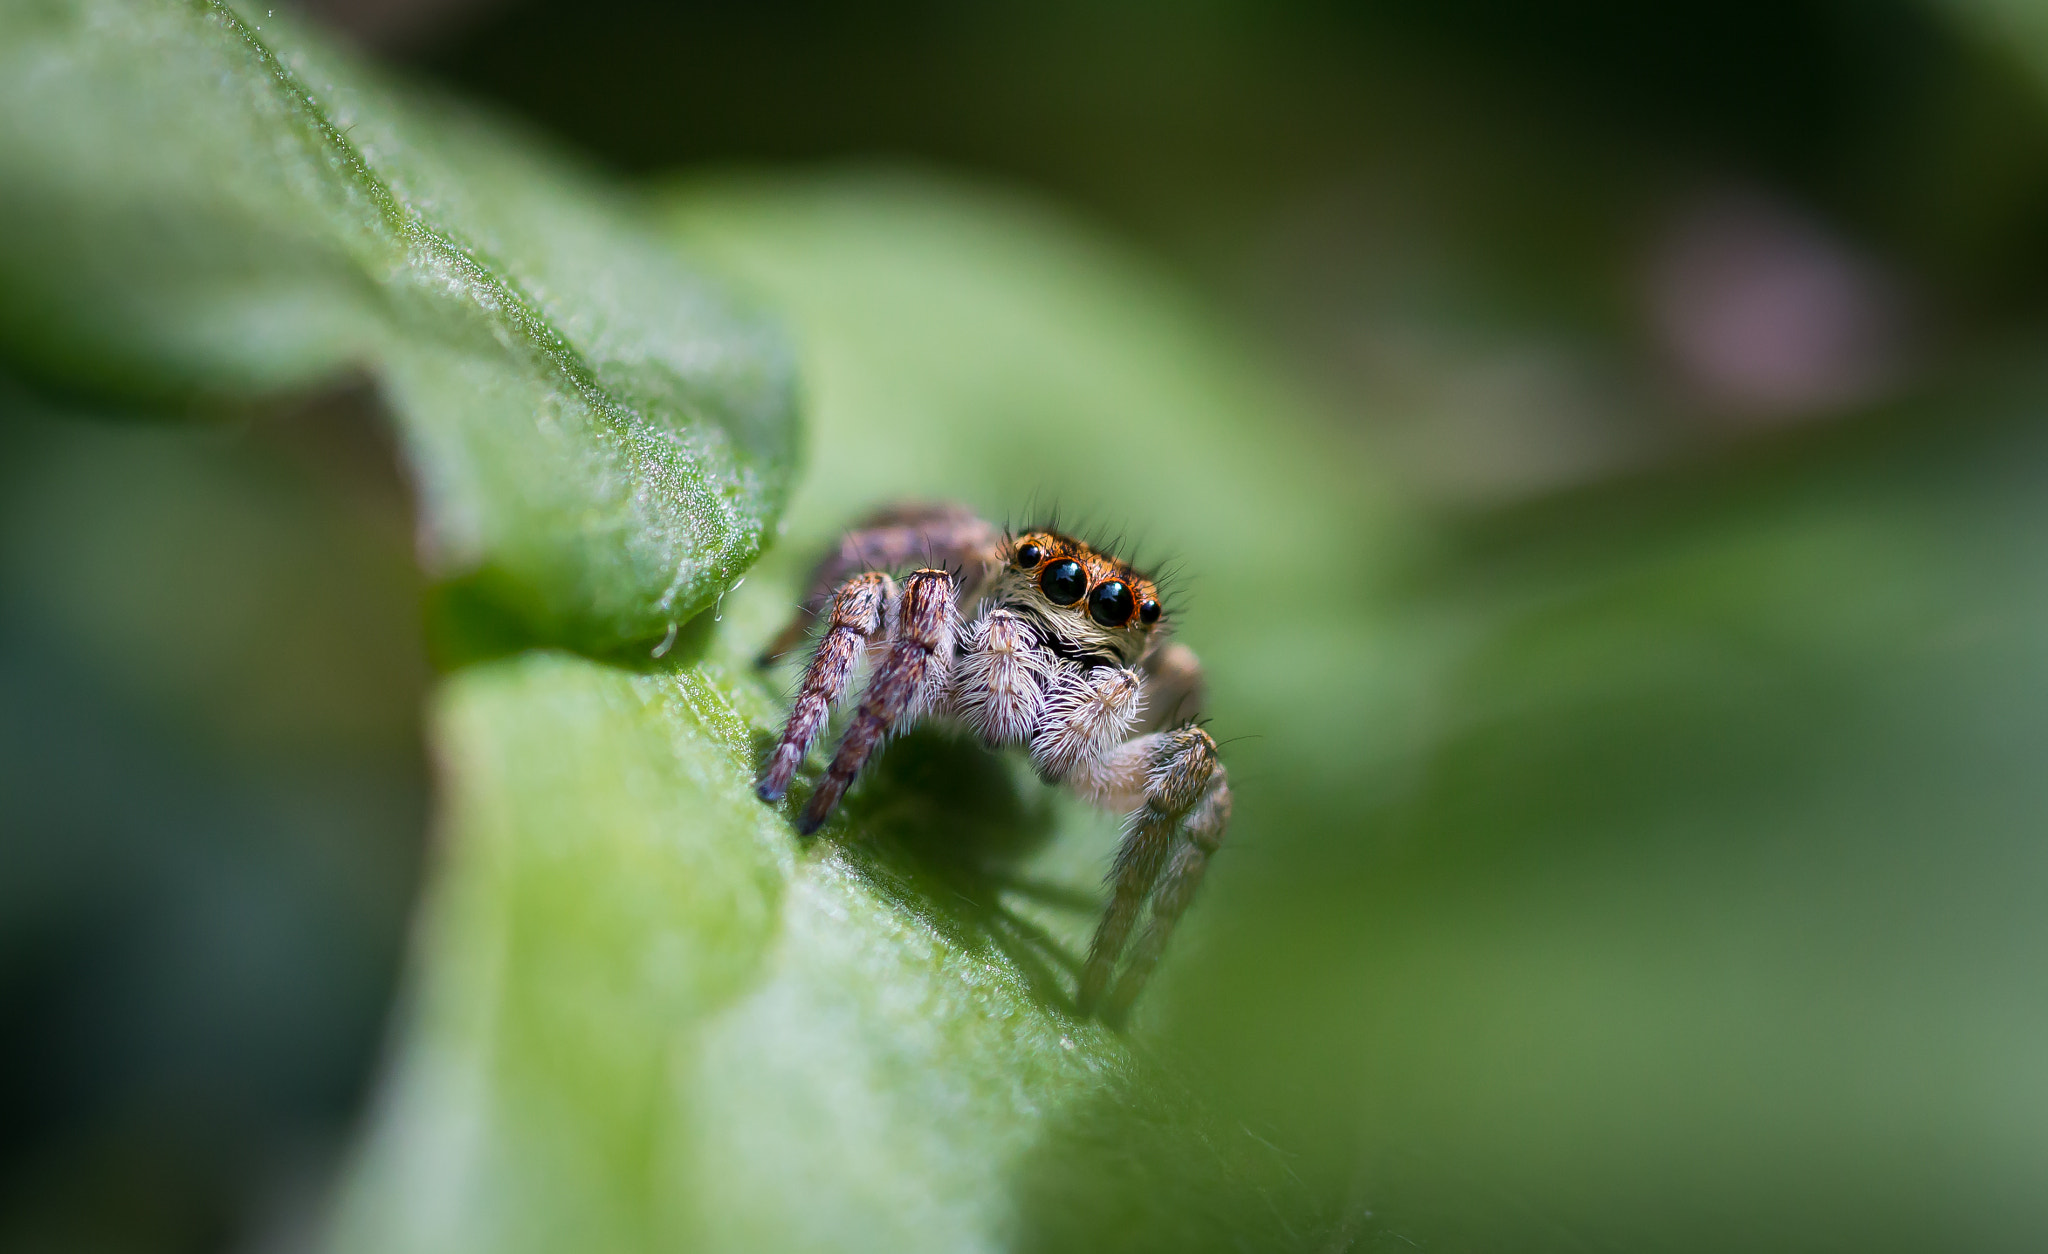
<point>860,612</point>
<point>1202,832</point>
<point>1166,845</point>
<point>912,676</point>
<point>1139,860</point>
<point>891,539</point>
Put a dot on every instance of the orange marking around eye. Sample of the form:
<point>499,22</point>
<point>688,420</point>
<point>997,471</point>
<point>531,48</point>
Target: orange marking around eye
<point>1100,566</point>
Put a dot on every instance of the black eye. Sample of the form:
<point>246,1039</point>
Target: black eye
<point>1110,604</point>
<point>1028,556</point>
<point>1149,612</point>
<point>1064,581</point>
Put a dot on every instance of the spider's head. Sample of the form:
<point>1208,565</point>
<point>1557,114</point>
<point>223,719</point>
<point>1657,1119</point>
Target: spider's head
<point>1095,603</point>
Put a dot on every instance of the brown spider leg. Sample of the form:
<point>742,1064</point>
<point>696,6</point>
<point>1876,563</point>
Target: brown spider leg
<point>890,539</point>
<point>1203,832</point>
<point>1138,862</point>
<point>1182,769</point>
<point>912,675</point>
<point>860,611</point>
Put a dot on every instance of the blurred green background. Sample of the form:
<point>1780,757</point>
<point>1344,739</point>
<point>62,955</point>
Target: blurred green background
<point>1607,450</point>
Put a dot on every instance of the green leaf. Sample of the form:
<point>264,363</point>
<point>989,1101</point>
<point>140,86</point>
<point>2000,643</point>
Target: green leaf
<point>1655,868</point>
<point>960,343</point>
<point>1700,907</point>
<point>195,205</point>
<point>650,1019</point>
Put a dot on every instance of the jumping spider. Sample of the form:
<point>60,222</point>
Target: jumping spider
<point>1033,639</point>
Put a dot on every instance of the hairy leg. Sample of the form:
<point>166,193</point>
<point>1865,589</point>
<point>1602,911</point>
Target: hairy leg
<point>1139,860</point>
<point>934,535</point>
<point>1115,780</point>
<point>1202,834</point>
<point>860,613</point>
<point>912,677</point>
<point>1186,806</point>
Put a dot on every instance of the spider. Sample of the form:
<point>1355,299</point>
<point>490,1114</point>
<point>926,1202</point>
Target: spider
<point>1034,639</point>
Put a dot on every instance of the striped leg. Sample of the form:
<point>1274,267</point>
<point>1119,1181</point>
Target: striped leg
<point>891,539</point>
<point>1186,807</point>
<point>860,612</point>
<point>911,678</point>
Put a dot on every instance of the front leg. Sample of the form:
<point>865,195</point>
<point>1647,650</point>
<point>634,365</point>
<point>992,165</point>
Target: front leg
<point>861,610</point>
<point>1201,835</point>
<point>911,679</point>
<point>1166,849</point>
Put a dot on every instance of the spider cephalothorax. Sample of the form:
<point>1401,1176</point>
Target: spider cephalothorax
<point>1034,639</point>
<point>1092,607</point>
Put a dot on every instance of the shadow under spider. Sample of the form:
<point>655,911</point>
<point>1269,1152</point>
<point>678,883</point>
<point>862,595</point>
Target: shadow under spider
<point>937,826</point>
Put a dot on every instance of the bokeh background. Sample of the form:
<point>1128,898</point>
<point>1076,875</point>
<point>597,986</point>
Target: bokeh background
<point>1648,740</point>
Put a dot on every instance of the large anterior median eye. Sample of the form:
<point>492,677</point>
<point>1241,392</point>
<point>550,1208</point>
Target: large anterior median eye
<point>1064,581</point>
<point>1110,604</point>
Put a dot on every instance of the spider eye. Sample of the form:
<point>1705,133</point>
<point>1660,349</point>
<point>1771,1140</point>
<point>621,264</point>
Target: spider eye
<point>1148,612</point>
<point>1064,581</point>
<point>1110,604</point>
<point>1028,555</point>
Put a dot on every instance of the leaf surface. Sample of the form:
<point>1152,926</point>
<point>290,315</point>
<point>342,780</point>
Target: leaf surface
<point>1656,867</point>
<point>1653,867</point>
<point>650,1019</point>
<point>650,1016</point>
<point>197,204</point>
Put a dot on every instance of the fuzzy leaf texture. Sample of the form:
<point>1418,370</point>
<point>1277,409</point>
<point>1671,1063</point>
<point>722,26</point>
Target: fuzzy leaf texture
<point>197,205</point>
